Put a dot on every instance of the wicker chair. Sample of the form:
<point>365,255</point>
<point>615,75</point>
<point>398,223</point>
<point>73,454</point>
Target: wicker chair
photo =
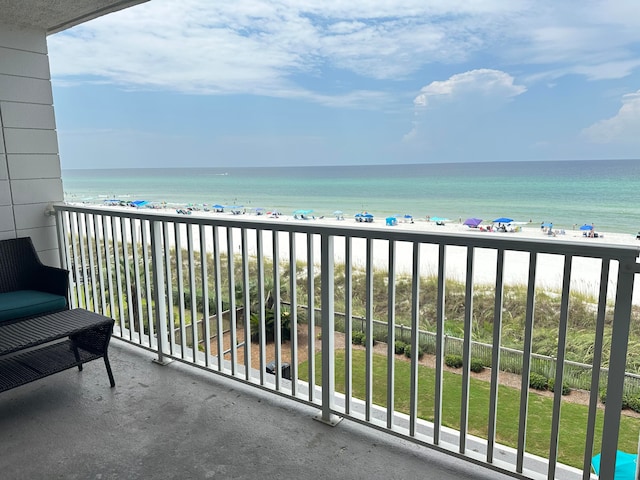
<point>23,276</point>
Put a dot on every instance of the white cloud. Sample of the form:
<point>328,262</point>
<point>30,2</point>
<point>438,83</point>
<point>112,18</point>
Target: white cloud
<point>455,104</point>
<point>490,84</point>
<point>291,48</point>
<point>621,128</point>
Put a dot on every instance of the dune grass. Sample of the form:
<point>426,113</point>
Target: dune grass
<point>573,418</point>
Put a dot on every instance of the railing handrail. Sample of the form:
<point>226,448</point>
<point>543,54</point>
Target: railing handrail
<point>503,241</point>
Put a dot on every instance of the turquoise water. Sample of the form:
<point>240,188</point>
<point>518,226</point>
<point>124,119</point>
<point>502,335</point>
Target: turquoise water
<point>605,193</point>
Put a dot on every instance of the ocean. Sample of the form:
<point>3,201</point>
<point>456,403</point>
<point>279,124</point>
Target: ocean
<point>566,193</point>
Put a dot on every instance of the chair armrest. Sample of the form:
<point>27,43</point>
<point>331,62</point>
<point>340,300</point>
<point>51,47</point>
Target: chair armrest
<point>53,280</point>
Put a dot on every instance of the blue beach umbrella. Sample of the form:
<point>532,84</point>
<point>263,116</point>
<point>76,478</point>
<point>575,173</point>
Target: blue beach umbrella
<point>625,465</point>
<point>439,219</point>
<point>586,227</point>
<point>503,220</point>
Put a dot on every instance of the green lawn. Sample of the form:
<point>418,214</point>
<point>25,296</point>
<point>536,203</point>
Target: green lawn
<point>573,418</point>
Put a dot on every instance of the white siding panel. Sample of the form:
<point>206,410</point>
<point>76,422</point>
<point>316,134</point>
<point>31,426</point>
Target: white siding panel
<point>1,135</point>
<point>31,40</point>
<point>50,257</point>
<point>24,140</point>
<point>6,219</point>
<point>32,216</point>
<point>22,89</point>
<point>43,238</point>
<point>24,64</point>
<point>23,167</point>
<point>5,193</point>
<point>5,235</point>
<point>27,115</point>
<point>4,173</point>
<point>27,192</point>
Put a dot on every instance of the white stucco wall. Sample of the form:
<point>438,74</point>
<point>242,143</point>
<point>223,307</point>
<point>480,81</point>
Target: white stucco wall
<point>30,176</point>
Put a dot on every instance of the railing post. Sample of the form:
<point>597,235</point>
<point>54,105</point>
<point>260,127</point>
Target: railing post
<point>328,331</point>
<point>617,365</point>
<point>159,291</point>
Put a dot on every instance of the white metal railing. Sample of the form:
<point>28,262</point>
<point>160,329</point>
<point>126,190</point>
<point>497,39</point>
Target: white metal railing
<point>145,270</point>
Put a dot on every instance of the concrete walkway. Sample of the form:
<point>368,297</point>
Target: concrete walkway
<point>177,421</point>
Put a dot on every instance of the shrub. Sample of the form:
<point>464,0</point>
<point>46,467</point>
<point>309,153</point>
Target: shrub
<point>603,395</point>
<point>453,361</point>
<point>631,401</point>
<point>358,338</point>
<point>565,387</point>
<point>407,352</point>
<point>400,347</point>
<point>538,381</point>
<point>476,366</point>
<point>270,326</point>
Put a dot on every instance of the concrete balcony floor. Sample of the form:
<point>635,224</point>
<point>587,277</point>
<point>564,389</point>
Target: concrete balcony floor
<point>177,421</point>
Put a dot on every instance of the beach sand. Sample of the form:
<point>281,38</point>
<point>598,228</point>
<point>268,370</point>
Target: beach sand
<point>585,272</point>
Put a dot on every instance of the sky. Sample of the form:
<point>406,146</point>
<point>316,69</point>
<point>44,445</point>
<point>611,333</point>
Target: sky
<point>197,83</point>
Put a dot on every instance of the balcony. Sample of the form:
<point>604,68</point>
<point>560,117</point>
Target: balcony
<point>144,269</point>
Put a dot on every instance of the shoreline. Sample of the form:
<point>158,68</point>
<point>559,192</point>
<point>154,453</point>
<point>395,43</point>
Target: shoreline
<point>585,272</point>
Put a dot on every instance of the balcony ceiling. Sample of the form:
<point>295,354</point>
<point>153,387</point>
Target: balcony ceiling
<point>54,16</point>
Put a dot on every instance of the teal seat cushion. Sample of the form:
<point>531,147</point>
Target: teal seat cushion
<point>29,303</point>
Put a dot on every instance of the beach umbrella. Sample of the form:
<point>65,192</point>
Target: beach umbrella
<point>473,222</point>
<point>547,224</point>
<point>302,212</point>
<point>439,219</point>
<point>338,212</point>
<point>503,220</point>
<point>625,465</point>
<point>586,227</point>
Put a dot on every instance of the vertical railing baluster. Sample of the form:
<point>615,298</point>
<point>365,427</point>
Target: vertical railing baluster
<point>391,334</point>
<point>327,280</point>
<point>99,240</point>
<point>466,351</point>
<point>442,282</point>
<point>277,307</point>
<point>233,319</point>
<point>218,290</point>
<point>127,273</point>
<point>415,325</point>
<point>192,294</point>
<point>118,279</point>
<point>526,362</point>
<point>246,300</point>
<point>617,365</point>
<point>368,375</point>
<point>559,378</point>
<point>311,312</point>
<point>594,391</point>
<point>180,286</point>
<point>261,305</point>
<point>495,356</point>
<point>135,281</point>
<point>158,282</point>
<point>82,238</point>
<point>168,272</point>
<point>147,279</point>
<point>73,228</point>
<point>206,330</point>
<point>348,323</point>
<point>107,259</point>
<point>293,294</point>
<point>89,224</point>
